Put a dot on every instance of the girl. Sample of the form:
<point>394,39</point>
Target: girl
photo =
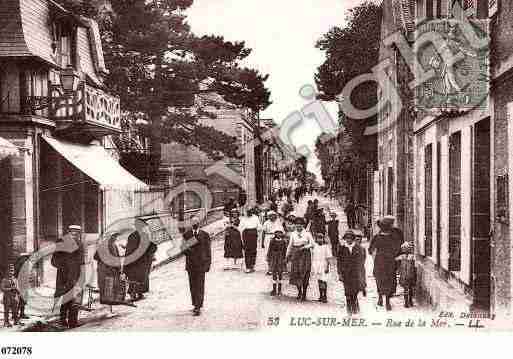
<point>407,273</point>
<point>321,254</point>
<point>298,251</point>
<point>349,259</point>
<point>276,258</point>
<point>232,243</point>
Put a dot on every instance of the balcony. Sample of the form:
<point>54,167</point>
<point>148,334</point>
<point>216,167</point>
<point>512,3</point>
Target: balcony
<point>89,110</point>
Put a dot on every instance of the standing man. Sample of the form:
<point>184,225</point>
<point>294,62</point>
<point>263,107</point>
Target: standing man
<point>197,263</point>
<point>68,259</point>
<point>350,211</point>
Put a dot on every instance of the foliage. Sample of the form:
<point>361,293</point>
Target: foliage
<point>350,51</point>
<point>157,66</point>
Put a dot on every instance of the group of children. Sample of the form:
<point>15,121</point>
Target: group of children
<point>350,259</point>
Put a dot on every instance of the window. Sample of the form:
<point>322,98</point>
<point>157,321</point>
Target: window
<point>65,51</point>
<point>455,202</point>
<point>428,200</point>
<point>429,9</point>
<point>438,9</point>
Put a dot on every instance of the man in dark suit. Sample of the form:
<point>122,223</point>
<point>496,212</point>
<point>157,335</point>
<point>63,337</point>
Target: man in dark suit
<point>197,262</point>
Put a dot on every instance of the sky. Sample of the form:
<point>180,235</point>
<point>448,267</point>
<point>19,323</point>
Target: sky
<point>282,34</point>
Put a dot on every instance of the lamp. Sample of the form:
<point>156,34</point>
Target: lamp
<point>70,80</point>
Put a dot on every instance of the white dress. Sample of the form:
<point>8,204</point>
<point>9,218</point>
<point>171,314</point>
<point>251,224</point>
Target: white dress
<point>320,256</point>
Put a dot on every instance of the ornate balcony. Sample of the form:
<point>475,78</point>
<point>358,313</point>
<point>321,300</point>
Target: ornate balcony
<point>88,110</point>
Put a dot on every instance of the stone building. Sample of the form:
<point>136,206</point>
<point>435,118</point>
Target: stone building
<point>189,163</point>
<point>56,110</point>
<point>447,151</point>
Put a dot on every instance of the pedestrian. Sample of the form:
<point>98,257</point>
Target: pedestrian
<point>243,197</point>
<point>229,206</point>
<point>198,259</point>
<point>232,244</point>
<point>287,207</point>
<point>109,270</point>
<point>139,255</point>
<point>407,273</point>
<point>363,272</point>
<point>11,297</point>
<point>250,227</point>
<point>349,259</point>
<point>319,221</point>
<point>321,254</point>
<point>276,255</point>
<point>386,246</point>
<point>308,212</point>
<point>298,252</point>
<point>69,259</point>
<point>269,228</point>
<point>19,266</point>
<point>333,231</point>
<point>350,211</point>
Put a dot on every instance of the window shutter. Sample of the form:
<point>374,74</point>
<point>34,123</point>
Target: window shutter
<point>428,200</point>
<point>455,202</point>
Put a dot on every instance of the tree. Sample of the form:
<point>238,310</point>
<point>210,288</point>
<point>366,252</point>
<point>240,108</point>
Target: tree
<point>157,66</point>
<point>351,51</point>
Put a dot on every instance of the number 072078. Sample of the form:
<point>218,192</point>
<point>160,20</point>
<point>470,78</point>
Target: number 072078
<point>16,350</point>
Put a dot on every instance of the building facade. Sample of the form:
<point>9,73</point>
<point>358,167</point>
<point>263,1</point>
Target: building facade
<point>448,154</point>
<point>55,108</point>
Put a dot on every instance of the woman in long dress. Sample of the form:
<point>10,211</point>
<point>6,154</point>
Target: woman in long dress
<point>139,251</point>
<point>109,269</point>
<point>299,253</point>
<point>233,242</point>
<point>386,245</point>
<point>250,227</point>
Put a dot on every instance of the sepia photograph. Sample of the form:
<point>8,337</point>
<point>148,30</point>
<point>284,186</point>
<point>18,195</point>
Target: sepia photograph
<point>254,166</point>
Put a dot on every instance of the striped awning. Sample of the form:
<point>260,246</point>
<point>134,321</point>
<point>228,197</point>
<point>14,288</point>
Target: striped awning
<point>7,148</point>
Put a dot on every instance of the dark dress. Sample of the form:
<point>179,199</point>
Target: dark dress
<point>112,291</point>
<point>139,253</point>
<point>388,247</point>
<point>232,243</point>
<point>276,255</point>
<point>333,233</point>
<point>318,222</point>
<point>349,265</point>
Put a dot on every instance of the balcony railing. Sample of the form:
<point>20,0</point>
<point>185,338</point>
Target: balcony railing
<point>89,106</point>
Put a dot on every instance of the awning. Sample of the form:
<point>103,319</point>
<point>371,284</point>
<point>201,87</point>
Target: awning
<point>96,162</point>
<point>7,148</point>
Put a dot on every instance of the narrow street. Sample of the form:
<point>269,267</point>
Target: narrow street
<point>234,300</point>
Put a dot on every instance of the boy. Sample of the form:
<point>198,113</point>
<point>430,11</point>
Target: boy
<point>407,273</point>
<point>11,299</point>
<point>349,262</point>
<point>276,259</point>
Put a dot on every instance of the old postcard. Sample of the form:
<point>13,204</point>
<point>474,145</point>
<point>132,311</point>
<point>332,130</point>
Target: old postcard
<point>263,166</point>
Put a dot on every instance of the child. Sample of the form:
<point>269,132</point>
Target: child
<point>321,254</point>
<point>9,287</point>
<point>407,273</point>
<point>232,244</point>
<point>276,258</point>
<point>349,262</point>
<point>363,274</point>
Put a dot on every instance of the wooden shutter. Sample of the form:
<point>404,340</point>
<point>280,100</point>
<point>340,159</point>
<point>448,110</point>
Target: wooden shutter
<point>390,195</point>
<point>481,251</point>
<point>455,202</point>
<point>428,200</point>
